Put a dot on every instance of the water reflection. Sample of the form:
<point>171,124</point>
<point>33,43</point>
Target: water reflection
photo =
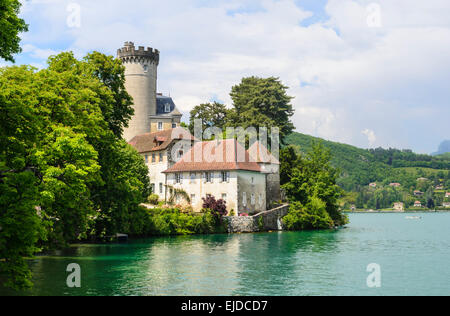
<point>413,257</point>
<point>270,263</point>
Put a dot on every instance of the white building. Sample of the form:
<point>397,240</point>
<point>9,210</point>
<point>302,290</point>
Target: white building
<point>223,169</point>
<point>399,206</point>
<point>157,149</point>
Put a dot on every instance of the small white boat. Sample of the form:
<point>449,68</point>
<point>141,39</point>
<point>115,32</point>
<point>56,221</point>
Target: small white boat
<point>413,217</point>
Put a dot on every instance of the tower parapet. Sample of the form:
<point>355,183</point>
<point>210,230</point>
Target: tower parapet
<point>129,53</point>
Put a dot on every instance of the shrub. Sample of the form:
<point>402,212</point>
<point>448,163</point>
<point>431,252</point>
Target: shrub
<point>153,199</point>
<point>309,217</point>
<point>165,222</point>
<point>260,223</point>
<point>187,209</point>
<point>218,207</point>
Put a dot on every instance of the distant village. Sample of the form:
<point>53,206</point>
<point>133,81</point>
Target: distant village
<point>420,202</point>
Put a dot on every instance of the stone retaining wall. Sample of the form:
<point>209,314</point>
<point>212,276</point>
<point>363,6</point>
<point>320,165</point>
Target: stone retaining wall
<point>264,221</point>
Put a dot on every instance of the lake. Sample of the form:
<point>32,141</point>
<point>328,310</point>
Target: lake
<point>414,257</point>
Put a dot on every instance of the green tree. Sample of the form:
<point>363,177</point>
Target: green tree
<point>10,25</point>
<point>288,161</point>
<point>65,172</point>
<point>111,73</point>
<point>430,203</point>
<point>211,115</point>
<point>313,176</point>
<point>313,216</point>
<point>123,182</point>
<point>360,200</point>
<point>262,102</point>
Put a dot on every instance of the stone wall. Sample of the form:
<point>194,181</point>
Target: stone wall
<point>264,221</point>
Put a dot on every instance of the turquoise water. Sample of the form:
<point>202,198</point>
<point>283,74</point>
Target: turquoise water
<point>414,256</point>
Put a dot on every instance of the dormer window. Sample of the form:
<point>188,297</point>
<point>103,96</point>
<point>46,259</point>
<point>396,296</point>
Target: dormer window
<point>167,108</point>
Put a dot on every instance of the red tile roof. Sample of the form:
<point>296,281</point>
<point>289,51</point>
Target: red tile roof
<point>261,154</point>
<point>159,140</point>
<point>215,155</point>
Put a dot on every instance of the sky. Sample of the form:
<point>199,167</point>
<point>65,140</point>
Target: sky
<point>366,73</point>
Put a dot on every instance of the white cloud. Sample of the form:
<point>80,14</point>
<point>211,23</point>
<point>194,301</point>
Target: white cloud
<point>344,75</point>
<point>38,53</point>
<point>371,137</point>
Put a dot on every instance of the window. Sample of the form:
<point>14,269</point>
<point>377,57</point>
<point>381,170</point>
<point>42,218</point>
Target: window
<point>253,180</point>
<point>178,177</point>
<point>153,158</point>
<point>160,126</point>
<point>244,198</point>
<point>145,68</point>
<point>225,176</point>
<point>161,157</point>
<point>174,125</point>
<point>146,158</point>
<point>193,176</point>
<point>224,196</point>
<point>193,201</point>
<point>160,188</point>
<point>180,153</point>
<point>167,108</point>
<point>252,199</point>
<point>209,177</point>
<point>153,187</point>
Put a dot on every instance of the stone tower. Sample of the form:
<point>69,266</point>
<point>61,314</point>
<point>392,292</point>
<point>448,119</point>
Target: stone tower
<point>140,82</point>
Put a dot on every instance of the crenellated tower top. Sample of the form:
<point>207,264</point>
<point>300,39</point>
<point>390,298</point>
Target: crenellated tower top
<point>129,53</point>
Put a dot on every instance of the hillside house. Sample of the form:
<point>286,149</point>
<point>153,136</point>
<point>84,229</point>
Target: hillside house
<point>399,206</point>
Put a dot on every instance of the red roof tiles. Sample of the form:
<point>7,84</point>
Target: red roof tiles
<point>159,140</point>
<point>216,155</point>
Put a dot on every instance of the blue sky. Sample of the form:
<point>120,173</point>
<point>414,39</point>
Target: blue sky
<point>367,73</point>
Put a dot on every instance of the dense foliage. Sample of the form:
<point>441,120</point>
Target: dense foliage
<point>384,196</point>
<point>10,27</point>
<point>310,184</point>
<point>210,114</point>
<point>218,207</point>
<point>359,167</point>
<point>65,172</point>
<point>165,222</point>
<point>257,102</point>
<point>311,216</point>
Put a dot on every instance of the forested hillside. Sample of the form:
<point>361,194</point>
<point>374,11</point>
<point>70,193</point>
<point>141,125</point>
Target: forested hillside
<point>359,167</point>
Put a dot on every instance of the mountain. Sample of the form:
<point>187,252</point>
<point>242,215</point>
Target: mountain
<point>359,167</point>
<point>444,147</point>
